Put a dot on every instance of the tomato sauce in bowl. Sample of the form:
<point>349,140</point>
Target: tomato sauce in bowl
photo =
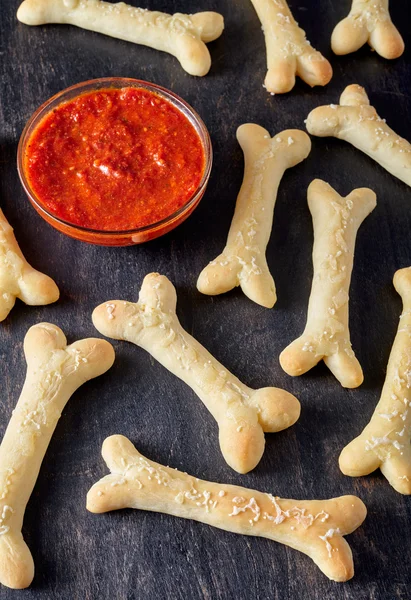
<point>115,164</point>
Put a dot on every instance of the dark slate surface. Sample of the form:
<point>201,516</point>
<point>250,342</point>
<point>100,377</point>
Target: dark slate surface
<point>137,555</point>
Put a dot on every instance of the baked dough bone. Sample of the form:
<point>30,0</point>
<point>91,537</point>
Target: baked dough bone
<point>18,279</point>
<point>54,372</point>
<point>358,123</point>
<point>243,261</point>
<point>314,527</point>
<point>183,36</point>
<point>326,335</point>
<point>368,21</point>
<point>242,414</point>
<point>385,442</point>
<point>289,53</point>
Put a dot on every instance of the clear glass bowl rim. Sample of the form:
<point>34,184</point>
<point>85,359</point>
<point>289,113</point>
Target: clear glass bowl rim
<point>115,82</point>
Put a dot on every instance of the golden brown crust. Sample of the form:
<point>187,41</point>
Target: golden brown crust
<point>368,21</point>
<point>288,51</point>
<point>314,527</point>
<point>183,36</point>
<point>326,336</point>
<point>18,279</point>
<point>54,372</point>
<point>385,441</point>
<point>243,262</point>
<point>242,414</point>
<point>358,123</point>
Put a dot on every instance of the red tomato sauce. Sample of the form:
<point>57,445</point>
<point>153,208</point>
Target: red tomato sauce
<point>115,160</point>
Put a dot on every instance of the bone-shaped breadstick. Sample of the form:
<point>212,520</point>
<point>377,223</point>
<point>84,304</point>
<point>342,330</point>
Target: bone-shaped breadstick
<point>183,36</point>
<point>358,123</point>
<point>368,21</point>
<point>314,527</point>
<point>54,372</point>
<point>243,260</point>
<point>385,441</point>
<point>18,279</point>
<point>289,53</point>
<point>242,414</point>
<point>327,336</point>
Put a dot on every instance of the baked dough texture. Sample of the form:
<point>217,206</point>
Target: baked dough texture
<point>358,123</point>
<point>183,36</point>
<point>314,527</point>
<point>368,21</point>
<point>54,372</point>
<point>18,279</point>
<point>242,414</point>
<point>385,441</point>
<point>326,335</point>
<point>243,262</point>
<point>289,53</point>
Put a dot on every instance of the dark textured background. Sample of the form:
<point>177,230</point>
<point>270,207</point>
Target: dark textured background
<point>137,555</point>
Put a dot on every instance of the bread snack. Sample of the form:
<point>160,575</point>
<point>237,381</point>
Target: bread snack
<point>385,441</point>
<point>242,414</point>
<point>18,279</point>
<point>358,123</point>
<point>314,527</point>
<point>54,372</point>
<point>326,335</point>
<point>183,36</point>
<point>243,260</point>
<point>289,53</point>
<point>368,21</point>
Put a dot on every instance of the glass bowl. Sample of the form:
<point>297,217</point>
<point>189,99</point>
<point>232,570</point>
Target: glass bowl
<point>115,238</point>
